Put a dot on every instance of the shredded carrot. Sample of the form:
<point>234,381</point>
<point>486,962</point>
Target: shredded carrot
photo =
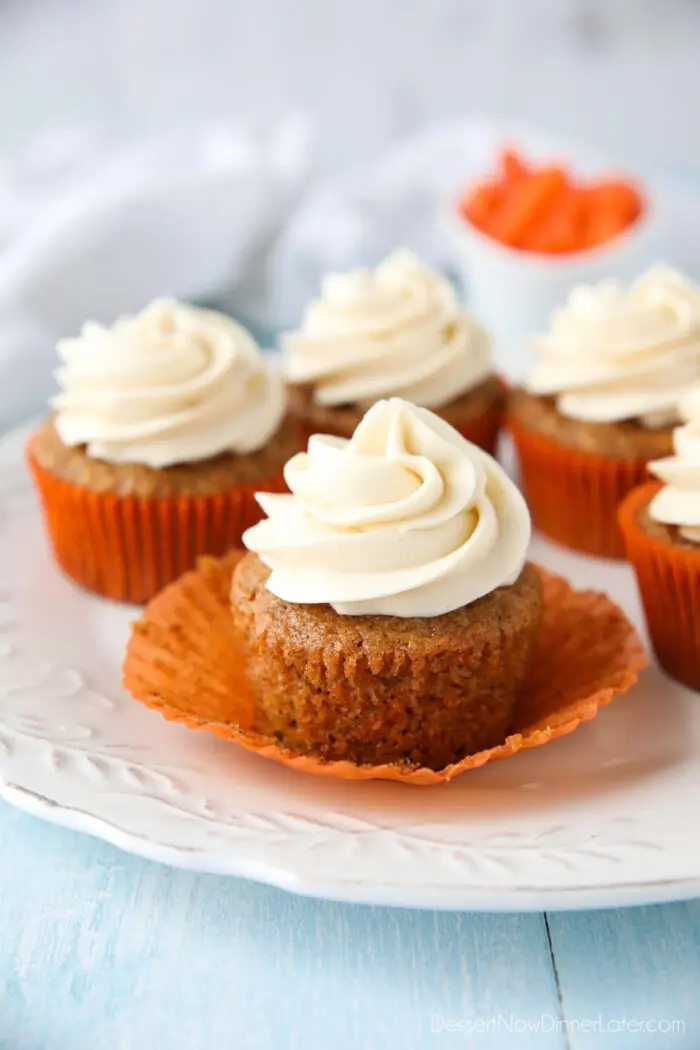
<point>543,209</point>
<point>523,207</point>
<point>479,205</point>
<point>560,231</point>
<point>513,167</point>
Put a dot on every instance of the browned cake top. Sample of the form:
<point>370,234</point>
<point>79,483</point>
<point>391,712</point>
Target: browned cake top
<point>218,474</point>
<point>626,440</point>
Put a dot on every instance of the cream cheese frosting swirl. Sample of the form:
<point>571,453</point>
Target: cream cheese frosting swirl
<point>172,384</point>
<point>615,354</point>
<point>405,519</point>
<point>678,502</point>
<point>397,330</point>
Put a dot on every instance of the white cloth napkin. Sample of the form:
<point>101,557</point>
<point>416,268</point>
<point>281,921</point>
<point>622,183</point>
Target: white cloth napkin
<point>90,231</point>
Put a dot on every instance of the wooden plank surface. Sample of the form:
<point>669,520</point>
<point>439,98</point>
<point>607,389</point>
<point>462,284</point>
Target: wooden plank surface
<point>630,978</point>
<point>102,951</point>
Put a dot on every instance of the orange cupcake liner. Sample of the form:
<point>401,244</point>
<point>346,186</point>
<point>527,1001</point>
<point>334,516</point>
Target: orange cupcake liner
<point>668,577</point>
<point>128,547</point>
<point>184,661</point>
<point>573,495</point>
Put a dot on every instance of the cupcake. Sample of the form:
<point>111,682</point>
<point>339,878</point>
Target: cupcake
<point>386,608</point>
<point>661,529</point>
<point>165,426</point>
<point>395,331</point>
<point>602,401</point>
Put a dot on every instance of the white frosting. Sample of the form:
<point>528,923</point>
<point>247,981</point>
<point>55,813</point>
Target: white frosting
<point>405,519</point>
<point>678,503</point>
<point>173,384</point>
<point>397,330</point>
<point>613,354</point>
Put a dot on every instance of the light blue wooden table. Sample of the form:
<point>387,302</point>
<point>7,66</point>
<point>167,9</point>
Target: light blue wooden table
<point>103,951</point>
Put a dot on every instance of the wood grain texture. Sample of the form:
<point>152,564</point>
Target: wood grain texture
<point>102,950</point>
<point>635,972</point>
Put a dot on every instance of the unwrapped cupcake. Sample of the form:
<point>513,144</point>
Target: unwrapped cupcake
<point>387,608</point>
<point>394,331</point>
<point>165,426</point>
<point>602,401</point>
<point>661,528</point>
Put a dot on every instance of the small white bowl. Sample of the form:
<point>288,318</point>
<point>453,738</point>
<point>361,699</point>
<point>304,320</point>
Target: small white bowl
<point>514,292</point>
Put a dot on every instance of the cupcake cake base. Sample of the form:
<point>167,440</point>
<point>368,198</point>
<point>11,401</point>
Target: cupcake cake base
<point>574,475</point>
<point>477,414</point>
<point>378,689</point>
<point>185,660</point>
<point>668,575</point>
<point>126,530</point>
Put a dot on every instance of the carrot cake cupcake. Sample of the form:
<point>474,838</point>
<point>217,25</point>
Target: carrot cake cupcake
<point>661,528</point>
<point>386,607</point>
<point>602,401</point>
<point>165,425</point>
<point>394,331</point>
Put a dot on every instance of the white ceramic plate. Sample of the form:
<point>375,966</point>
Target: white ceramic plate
<point>603,817</point>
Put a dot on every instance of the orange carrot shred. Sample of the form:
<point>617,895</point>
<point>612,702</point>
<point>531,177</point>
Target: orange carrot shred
<point>543,209</point>
<point>512,165</point>
<point>523,207</point>
<point>480,204</point>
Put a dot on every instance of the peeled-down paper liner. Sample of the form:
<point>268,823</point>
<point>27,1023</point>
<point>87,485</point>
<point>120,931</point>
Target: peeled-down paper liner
<point>184,661</point>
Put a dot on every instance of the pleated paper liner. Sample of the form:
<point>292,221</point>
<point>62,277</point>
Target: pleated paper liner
<point>127,547</point>
<point>574,495</point>
<point>183,660</point>
<point>668,576</point>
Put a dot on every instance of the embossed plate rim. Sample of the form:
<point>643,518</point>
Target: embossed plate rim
<point>519,898</point>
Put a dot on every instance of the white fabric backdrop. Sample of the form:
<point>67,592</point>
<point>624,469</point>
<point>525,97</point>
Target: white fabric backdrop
<point>221,214</point>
